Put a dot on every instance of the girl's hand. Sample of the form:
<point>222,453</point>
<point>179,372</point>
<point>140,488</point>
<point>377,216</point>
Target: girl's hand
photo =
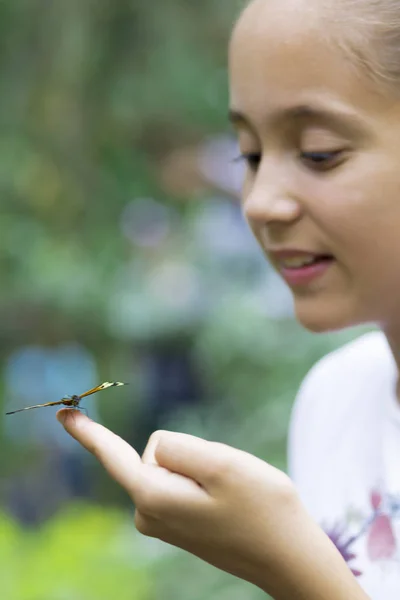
<point>223,505</point>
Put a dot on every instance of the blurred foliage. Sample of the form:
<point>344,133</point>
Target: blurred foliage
<point>84,553</point>
<point>93,93</point>
<point>181,575</point>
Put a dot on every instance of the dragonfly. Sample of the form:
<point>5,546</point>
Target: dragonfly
<point>72,401</point>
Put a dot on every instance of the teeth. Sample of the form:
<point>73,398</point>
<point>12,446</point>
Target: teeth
<point>297,262</point>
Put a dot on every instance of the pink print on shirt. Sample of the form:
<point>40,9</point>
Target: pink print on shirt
<point>381,542</point>
<point>377,530</point>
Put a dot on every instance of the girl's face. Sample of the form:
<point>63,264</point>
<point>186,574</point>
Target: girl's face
<point>322,147</point>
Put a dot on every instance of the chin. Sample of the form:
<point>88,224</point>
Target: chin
<point>322,318</point>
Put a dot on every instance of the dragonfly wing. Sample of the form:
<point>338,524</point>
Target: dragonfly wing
<point>71,401</point>
<point>35,406</point>
<point>103,386</point>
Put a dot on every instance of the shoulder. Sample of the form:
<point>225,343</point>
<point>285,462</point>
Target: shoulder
<point>341,379</point>
<point>362,358</point>
<point>339,387</point>
<point>340,376</point>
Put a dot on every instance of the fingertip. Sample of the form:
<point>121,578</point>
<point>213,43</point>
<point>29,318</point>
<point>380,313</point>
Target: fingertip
<point>70,418</point>
<point>62,415</point>
<point>85,431</point>
<point>150,452</point>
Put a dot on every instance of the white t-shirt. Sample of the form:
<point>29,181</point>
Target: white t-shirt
<point>344,458</point>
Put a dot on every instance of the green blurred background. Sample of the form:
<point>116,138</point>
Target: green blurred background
<point>124,256</point>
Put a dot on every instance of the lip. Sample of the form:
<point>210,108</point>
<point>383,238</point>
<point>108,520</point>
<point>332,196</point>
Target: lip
<point>305,275</point>
<point>297,276</point>
<point>280,253</point>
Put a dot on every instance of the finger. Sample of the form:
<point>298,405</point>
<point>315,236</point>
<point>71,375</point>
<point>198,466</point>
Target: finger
<point>148,456</point>
<point>119,459</point>
<point>190,456</point>
<point>166,491</point>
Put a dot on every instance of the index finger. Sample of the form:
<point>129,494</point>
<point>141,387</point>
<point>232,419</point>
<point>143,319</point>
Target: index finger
<point>119,459</point>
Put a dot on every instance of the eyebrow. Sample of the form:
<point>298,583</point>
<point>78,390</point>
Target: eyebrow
<point>306,113</point>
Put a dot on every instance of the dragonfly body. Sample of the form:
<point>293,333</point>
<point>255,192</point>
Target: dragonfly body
<point>71,401</point>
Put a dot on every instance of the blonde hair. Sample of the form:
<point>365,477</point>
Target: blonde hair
<point>368,32</point>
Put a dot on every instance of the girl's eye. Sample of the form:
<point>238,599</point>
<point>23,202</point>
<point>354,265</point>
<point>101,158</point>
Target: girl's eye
<point>316,161</point>
<point>252,159</point>
<point>322,161</point>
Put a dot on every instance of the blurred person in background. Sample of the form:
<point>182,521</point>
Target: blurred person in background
<point>158,308</point>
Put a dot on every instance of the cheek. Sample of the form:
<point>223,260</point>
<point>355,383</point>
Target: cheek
<point>355,213</point>
<point>361,225</point>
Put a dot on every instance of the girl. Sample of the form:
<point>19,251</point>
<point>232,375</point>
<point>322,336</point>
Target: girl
<point>315,99</point>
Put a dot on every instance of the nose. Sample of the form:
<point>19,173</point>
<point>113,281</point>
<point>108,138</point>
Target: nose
<point>269,198</point>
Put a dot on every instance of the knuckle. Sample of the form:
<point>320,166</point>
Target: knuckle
<point>144,525</point>
<point>221,469</point>
<point>156,435</point>
<point>147,500</point>
<point>152,443</point>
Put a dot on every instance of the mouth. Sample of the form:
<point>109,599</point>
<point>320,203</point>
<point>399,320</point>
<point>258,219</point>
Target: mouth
<point>299,262</point>
<point>301,268</point>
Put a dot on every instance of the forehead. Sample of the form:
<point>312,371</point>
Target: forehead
<point>280,56</point>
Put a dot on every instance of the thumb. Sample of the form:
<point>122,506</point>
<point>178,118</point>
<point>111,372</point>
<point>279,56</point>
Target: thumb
<point>119,459</point>
<point>189,455</point>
